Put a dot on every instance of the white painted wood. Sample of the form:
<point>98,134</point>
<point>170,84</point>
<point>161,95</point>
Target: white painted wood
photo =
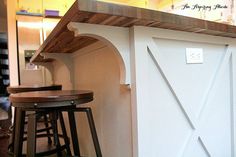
<point>134,113</point>
<point>66,59</point>
<point>184,36</point>
<point>182,110</point>
<point>49,67</point>
<point>233,95</point>
<point>178,109</point>
<point>12,42</point>
<point>139,95</point>
<point>60,75</point>
<point>97,69</point>
<point>32,77</point>
<point>89,49</point>
<point>116,38</point>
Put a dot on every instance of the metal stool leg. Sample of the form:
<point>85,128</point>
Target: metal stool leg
<point>91,126</point>
<point>46,125</point>
<point>64,133</point>
<point>11,145</point>
<point>93,132</point>
<point>53,117</point>
<point>73,131</point>
<point>19,132</point>
<point>31,135</point>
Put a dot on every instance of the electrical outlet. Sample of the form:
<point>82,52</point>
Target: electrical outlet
<point>194,55</point>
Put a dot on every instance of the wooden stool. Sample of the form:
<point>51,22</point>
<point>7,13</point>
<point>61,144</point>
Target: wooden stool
<point>23,88</point>
<point>52,102</point>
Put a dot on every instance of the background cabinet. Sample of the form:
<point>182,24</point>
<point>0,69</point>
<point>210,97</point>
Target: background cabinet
<point>39,6</point>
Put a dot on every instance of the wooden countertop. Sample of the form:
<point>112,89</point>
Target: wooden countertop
<point>94,12</point>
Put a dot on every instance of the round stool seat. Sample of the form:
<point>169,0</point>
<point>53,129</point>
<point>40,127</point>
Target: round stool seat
<point>24,88</point>
<point>45,99</point>
<point>30,88</point>
<point>52,102</point>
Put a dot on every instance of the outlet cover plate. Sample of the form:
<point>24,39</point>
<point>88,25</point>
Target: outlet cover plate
<point>194,55</point>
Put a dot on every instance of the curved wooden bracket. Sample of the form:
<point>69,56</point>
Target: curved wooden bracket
<point>48,66</point>
<point>66,59</point>
<point>117,38</point>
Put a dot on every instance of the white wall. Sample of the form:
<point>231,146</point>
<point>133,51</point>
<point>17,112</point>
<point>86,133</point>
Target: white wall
<point>99,72</point>
<point>234,13</point>
<point>12,42</point>
<point>61,75</point>
<point>178,110</point>
<point>182,110</point>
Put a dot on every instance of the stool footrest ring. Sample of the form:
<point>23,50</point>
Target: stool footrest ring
<point>45,153</point>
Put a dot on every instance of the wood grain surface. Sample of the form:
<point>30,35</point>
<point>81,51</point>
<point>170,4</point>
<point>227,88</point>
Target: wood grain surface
<point>61,40</point>
<point>51,96</point>
<point>24,88</point>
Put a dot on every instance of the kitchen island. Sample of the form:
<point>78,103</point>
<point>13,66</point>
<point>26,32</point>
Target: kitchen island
<point>163,83</point>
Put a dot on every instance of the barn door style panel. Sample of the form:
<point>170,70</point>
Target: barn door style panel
<point>186,110</point>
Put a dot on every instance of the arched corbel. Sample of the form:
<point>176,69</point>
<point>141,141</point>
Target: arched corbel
<point>48,66</point>
<point>66,59</point>
<point>115,37</point>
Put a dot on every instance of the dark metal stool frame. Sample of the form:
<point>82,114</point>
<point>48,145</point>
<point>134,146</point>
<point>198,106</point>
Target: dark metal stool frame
<point>59,148</point>
<point>18,144</point>
<point>54,108</point>
<point>92,127</point>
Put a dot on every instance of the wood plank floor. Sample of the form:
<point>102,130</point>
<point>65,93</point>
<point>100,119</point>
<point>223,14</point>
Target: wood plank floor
<point>5,138</point>
<point>4,141</point>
